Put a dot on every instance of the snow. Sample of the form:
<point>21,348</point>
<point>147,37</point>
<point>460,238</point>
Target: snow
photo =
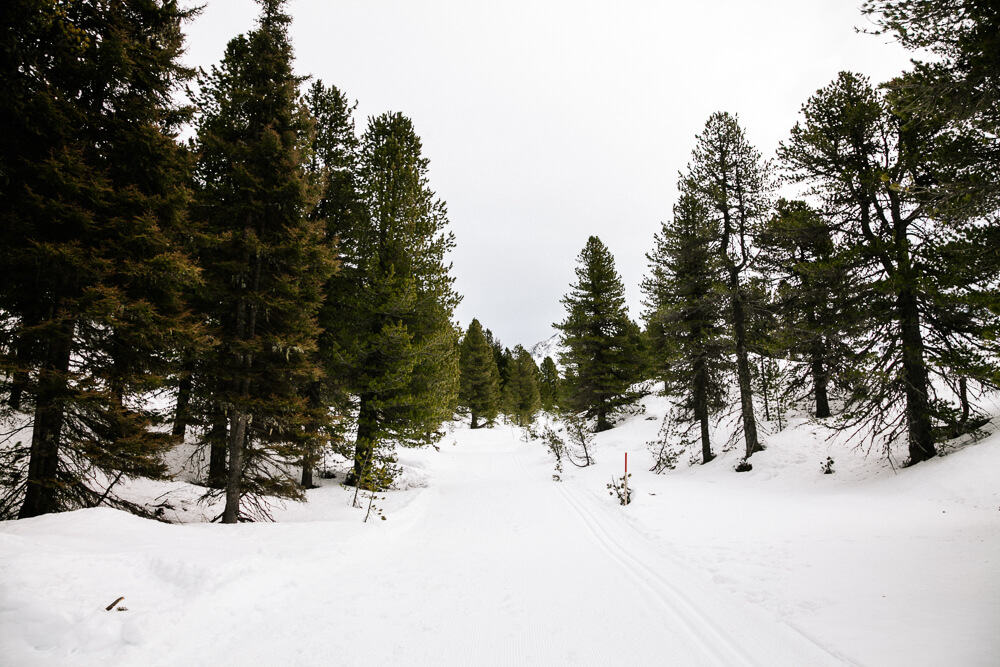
<point>483,559</point>
<point>550,347</point>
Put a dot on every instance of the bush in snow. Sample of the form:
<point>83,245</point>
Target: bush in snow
<point>620,487</point>
<point>827,466</point>
<point>743,466</point>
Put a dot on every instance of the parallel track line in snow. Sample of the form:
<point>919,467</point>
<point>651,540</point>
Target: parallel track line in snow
<point>720,646</point>
<point>596,523</point>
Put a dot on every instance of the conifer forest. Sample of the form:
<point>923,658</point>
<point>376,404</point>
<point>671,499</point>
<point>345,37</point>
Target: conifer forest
<point>228,296</point>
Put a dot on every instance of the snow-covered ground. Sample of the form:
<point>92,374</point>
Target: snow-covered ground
<point>485,560</point>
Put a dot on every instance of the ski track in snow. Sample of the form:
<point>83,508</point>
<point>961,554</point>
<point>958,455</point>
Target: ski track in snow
<point>493,563</point>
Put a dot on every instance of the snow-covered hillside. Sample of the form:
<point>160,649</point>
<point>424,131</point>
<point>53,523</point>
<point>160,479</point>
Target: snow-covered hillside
<point>484,559</point>
<point>550,347</point>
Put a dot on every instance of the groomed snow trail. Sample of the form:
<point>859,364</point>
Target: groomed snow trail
<point>493,563</point>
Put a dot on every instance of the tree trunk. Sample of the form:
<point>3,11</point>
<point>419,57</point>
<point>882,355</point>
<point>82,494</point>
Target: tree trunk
<point>217,450</point>
<point>181,409</point>
<point>307,471</point>
<point>764,379</point>
<point>475,420</point>
<point>918,413</point>
<point>237,436</point>
<point>602,420</point>
<point>43,464</point>
<point>743,366</point>
<point>817,354</point>
<point>963,397</point>
<point>701,407</point>
<point>364,446</point>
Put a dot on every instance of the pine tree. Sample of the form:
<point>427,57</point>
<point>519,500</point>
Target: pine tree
<point>685,302</point>
<point>92,201</point>
<point>521,396</point>
<point>732,182</point>
<point>265,260</point>
<point>480,381</point>
<point>400,356</point>
<point>960,83</point>
<point>332,167</point>
<point>548,385</point>
<point>813,299</point>
<point>886,176</point>
<point>600,339</point>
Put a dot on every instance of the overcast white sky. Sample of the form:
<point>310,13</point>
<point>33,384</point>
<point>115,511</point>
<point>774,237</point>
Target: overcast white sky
<point>547,121</point>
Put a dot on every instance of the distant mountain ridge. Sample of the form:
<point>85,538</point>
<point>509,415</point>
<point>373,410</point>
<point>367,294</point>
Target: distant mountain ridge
<point>550,347</point>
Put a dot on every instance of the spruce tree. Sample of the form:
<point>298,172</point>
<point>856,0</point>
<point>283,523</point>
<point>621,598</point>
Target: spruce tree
<point>732,182</point>
<point>332,167</point>
<point>480,380</point>
<point>926,309</point>
<point>521,395</point>
<point>265,260</point>
<point>685,315</point>
<point>92,203</point>
<point>400,355</point>
<point>600,339</point>
<point>548,385</point>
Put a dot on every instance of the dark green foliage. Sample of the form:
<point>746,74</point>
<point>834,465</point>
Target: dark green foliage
<point>960,83</point>
<point>883,175</point>
<point>399,353</point>
<point>730,180</point>
<point>813,303</point>
<point>685,315</point>
<point>602,358</point>
<point>549,385</point>
<point>92,202</point>
<point>521,397</point>
<point>266,261</point>
<point>479,390</point>
<point>332,167</point>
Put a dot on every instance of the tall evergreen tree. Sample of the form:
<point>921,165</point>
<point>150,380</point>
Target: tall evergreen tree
<point>961,83</point>
<point>265,260</point>
<point>685,302</point>
<point>600,339</point>
<point>883,173</point>
<point>732,182</point>
<point>480,379</point>
<point>813,298</point>
<point>92,201</point>
<point>332,167</point>
<point>521,395</point>
<point>548,385</point>
<point>400,356</point>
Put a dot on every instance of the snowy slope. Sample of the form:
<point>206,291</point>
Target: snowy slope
<point>486,560</point>
<point>550,347</point>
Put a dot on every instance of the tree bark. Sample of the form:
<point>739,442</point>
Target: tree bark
<point>181,409</point>
<point>817,355</point>
<point>307,471</point>
<point>237,436</point>
<point>43,463</point>
<point>743,366</point>
<point>475,420</point>
<point>701,408</point>
<point>963,397</point>
<point>217,450</point>
<point>602,420</point>
<point>915,381</point>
